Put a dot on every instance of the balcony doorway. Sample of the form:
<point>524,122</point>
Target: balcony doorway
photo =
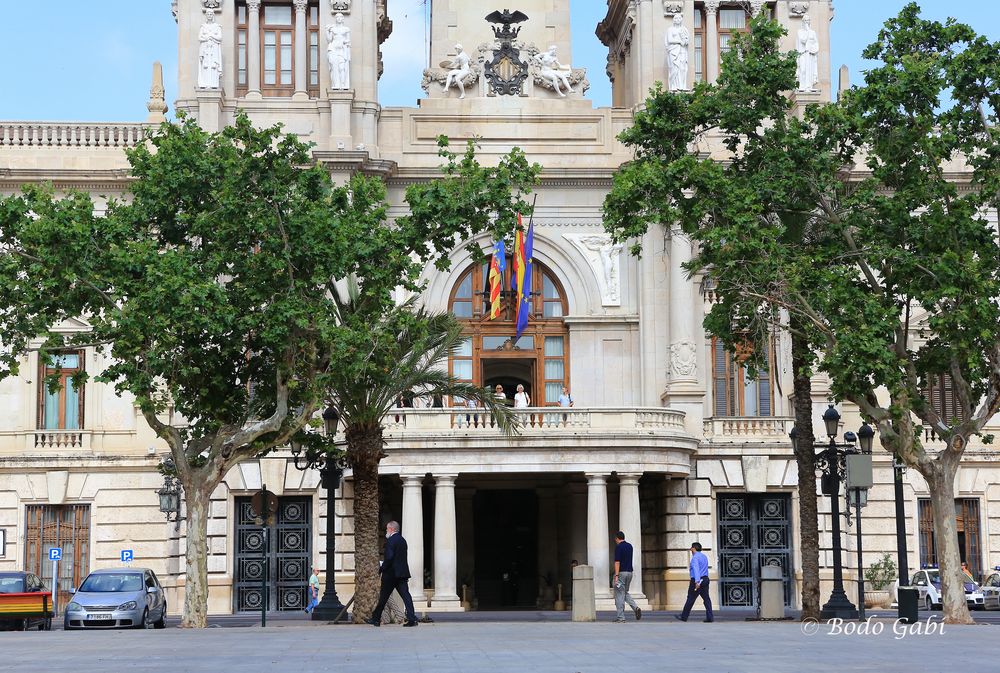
<point>509,373</point>
<point>506,549</point>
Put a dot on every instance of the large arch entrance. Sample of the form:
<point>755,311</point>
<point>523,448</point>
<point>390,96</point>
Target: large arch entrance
<point>538,360</point>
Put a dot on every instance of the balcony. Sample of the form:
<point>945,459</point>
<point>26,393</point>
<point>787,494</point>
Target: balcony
<point>743,429</point>
<point>549,439</point>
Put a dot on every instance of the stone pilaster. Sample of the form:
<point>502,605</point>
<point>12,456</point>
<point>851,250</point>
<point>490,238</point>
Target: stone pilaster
<point>413,531</point>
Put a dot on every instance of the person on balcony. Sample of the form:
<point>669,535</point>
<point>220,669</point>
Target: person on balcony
<point>521,399</point>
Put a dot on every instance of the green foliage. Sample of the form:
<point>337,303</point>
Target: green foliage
<point>853,225</point>
<point>882,573</point>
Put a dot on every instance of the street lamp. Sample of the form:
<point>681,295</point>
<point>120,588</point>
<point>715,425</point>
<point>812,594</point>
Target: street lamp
<point>170,494</point>
<point>830,461</point>
<point>331,470</point>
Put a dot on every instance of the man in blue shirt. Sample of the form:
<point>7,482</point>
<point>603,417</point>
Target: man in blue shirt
<point>623,578</point>
<point>699,584</point>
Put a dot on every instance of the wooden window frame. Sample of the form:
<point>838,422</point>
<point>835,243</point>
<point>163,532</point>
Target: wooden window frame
<point>699,31</point>
<point>968,519</point>
<point>940,394</point>
<point>65,526</point>
<point>44,370</point>
<point>242,32</point>
<point>479,326</point>
<point>735,379</point>
<point>313,64</point>
<point>278,89</point>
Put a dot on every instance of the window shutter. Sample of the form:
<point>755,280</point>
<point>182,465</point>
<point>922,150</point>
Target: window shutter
<point>764,386</point>
<point>720,378</point>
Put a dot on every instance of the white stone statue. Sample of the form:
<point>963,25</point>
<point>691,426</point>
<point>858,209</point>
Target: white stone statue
<point>677,41</point>
<point>553,72</point>
<point>338,53</point>
<point>210,53</point>
<point>458,70</point>
<point>807,44</point>
<point>608,253</point>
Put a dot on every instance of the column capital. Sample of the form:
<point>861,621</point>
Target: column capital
<point>412,480</point>
<point>597,477</point>
<point>253,5</point>
<point>629,477</point>
<point>445,479</point>
<point>300,5</point>
<point>712,6</point>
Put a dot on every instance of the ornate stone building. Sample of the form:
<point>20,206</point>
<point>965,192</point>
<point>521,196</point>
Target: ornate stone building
<point>669,440</point>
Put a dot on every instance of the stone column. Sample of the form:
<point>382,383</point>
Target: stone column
<point>445,545</point>
<point>413,531</point>
<point>598,533</point>
<point>712,39</point>
<point>630,523</point>
<point>253,50</point>
<point>301,49</point>
<point>683,350</point>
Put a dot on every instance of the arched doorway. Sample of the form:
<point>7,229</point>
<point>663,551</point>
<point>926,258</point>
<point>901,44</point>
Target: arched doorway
<point>538,360</point>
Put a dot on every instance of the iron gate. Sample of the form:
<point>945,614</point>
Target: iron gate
<point>754,531</point>
<point>287,546</point>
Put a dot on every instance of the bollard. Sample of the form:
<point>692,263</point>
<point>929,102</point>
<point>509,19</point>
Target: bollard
<point>772,593</point>
<point>560,604</point>
<point>584,606</point>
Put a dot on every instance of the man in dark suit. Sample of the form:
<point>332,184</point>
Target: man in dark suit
<point>395,576</point>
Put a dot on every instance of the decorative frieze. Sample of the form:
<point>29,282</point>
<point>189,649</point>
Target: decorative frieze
<point>604,257</point>
<point>340,6</point>
<point>670,7</point>
<point>798,9</point>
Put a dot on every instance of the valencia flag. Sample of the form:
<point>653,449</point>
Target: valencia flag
<point>497,266</point>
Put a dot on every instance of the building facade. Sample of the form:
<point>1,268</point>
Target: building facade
<point>669,439</point>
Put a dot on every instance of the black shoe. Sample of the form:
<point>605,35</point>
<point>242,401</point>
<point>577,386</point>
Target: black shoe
<point>638,614</point>
<point>708,621</point>
<point>413,623</point>
<point>372,622</point>
<point>679,618</point>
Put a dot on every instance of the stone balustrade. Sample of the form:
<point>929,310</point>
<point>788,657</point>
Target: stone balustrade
<point>543,419</point>
<point>748,428</point>
<point>60,440</point>
<point>72,134</point>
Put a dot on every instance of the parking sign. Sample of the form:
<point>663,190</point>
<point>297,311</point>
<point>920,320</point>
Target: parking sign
<point>55,554</point>
<point>127,555</point>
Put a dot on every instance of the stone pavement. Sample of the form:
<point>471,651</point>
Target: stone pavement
<point>553,647</point>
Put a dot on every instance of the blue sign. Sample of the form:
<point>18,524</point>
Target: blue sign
<point>55,554</point>
<point>127,555</point>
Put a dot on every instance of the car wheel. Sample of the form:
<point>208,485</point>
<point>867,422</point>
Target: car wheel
<point>48,624</point>
<point>144,624</point>
<point>162,621</point>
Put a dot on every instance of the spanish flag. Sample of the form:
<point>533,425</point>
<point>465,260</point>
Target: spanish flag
<point>497,266</point>
<point>523,248</point>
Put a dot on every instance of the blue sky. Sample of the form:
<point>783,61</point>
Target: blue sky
<point>86,61</point>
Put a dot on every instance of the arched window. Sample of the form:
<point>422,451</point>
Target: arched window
<point>539,360</point>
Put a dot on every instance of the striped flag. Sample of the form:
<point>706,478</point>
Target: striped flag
<point>523,268</point>
<point>497,266</point>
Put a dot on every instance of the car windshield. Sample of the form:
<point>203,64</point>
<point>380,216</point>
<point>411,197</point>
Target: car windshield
<point>11,585</point>
<point>112,583</point>
<point>935,578</point>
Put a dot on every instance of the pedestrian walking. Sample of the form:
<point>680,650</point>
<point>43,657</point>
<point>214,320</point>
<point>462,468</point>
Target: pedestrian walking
<point>313,588</point>
<point>698,586</point>
<point>623,578</point>
<point>395,576</point>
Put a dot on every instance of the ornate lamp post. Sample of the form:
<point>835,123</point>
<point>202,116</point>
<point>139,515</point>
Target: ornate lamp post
<point>170,494</point>
<point>830,461</point>
<point>331,470</point>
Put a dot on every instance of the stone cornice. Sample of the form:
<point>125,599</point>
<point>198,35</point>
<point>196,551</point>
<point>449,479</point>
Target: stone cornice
<point>356,160</point>
<point>89,180</point>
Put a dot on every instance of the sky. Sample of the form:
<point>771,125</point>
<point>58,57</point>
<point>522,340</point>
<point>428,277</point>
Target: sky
<point>92,61</point>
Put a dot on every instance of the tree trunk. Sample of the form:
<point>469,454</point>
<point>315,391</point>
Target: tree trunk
<point>805,460</point>
<point>364,450</point>
<point>940,476</point>
<point>197,502</point>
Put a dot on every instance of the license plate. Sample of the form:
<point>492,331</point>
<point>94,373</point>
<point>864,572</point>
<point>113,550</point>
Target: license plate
<point>98,616</point>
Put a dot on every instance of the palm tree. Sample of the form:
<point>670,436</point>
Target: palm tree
<point>394,351</point>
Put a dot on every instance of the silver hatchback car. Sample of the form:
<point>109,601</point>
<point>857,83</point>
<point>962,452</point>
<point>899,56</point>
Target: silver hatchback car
<point>117,598</point>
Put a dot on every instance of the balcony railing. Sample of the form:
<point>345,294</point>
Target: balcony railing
<point>748,428</point>
<point>554,419</point>
<point>71,134</point>
<point>61,439</point>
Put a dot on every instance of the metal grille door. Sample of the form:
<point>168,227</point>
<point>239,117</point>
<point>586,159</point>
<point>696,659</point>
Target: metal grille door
<point>64,526</point>
<point>754,530</point>
<point>286,546</point>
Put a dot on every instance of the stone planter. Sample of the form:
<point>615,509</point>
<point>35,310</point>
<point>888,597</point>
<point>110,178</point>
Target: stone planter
<point>877,599</point>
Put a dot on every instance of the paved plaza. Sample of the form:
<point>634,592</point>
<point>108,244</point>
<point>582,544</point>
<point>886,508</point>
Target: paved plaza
<point>548,647</point>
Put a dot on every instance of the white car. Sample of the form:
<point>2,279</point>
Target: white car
<point>991,591</point>
<point>928,584</point>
